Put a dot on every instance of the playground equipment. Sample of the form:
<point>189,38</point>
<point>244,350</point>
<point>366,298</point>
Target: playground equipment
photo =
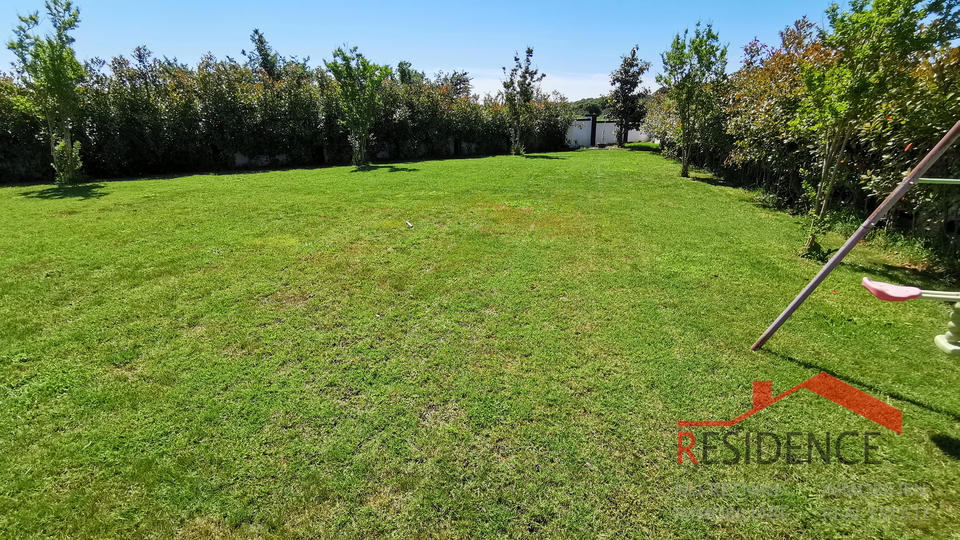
<point>895,195</point>
<point>948,342</point>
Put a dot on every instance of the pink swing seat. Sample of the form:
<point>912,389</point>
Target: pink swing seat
<point>890,293</point>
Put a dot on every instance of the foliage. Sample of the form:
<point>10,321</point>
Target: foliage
<point>23,154</point>
<point>407,75</point>
<point>598,106</point>
<point>627,97</point>
<point>909,121</point>
<point>414,120</point>
<point>552,117</point>
<point>786,105</point>
<point>760,100</point>
<point>263,58</point>
<point>150,116</point>
<point>421,117</point>
<point>519,89</point>
<point>692,71</point>
<point>358,84</point>
<point>457,81</point>
<point>49,71</point>
<point>143,115</point>
<point>123,117</point>
<point>662,122</point>
<point>67,162</point>
<point>875,44</point>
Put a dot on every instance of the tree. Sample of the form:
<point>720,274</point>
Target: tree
<point>48,69</point>
<point>23,155</point>
<point>761,99</point>
<point>458,82</point>
<point>519,89</point>
<point>407,75</point>
<point>358,85</point>
<point>875,45</point>
<point>690,69</point>
<point>597,106</point>
<point>662,122</point>
<point>626,98</point>
<point>263,58</point>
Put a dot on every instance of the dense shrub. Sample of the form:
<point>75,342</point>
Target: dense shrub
<point>150,116</point>
<point>24,153</point>
<point>145,115</point>
<point>552,118</point>
<point>662,123</point>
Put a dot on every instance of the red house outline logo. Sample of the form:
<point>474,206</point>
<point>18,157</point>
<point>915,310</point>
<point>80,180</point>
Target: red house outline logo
<point>823,385</point>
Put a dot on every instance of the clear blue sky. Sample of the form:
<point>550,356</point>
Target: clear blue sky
<point>576,44</point>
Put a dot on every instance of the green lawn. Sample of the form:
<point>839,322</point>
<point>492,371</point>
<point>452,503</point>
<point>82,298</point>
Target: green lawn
<point>643,146</point>
<point>279,355</point>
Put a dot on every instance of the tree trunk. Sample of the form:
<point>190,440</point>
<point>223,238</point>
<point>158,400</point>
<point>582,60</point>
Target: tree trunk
<point>686,119</point>
<point>833,155</point>
<point>832,172</point>
<point>51,127</point>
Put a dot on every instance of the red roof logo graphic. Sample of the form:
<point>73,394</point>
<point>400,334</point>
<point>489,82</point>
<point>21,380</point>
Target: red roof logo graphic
<point>823,385</point>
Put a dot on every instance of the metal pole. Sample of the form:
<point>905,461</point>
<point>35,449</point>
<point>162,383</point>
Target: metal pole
<point>876,216</point>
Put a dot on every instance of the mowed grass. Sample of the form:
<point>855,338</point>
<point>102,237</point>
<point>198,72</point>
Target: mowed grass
<point>280,355</point>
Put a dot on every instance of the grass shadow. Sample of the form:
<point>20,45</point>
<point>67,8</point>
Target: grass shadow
<point>389,168</point>
<point>950,446</point>
<point>707,177</point>
<point>540,156</point>
<point>643,147</point>
<point>228,172</point>
<point>863,385</point>
<point>81,191</point>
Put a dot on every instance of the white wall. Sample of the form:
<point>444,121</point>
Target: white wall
<point>578,135</point>
<point>607,134</point>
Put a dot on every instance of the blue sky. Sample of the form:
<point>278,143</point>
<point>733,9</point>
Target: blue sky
<point>576,44</point>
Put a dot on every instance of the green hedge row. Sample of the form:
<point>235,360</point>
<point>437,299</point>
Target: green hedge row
<point>143,116</point>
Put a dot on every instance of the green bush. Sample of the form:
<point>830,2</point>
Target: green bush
<point>24,152</point>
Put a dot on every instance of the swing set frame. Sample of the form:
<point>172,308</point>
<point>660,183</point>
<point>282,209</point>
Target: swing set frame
<point>915,177</point>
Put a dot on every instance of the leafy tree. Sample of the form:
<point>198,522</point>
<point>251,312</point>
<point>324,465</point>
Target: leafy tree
<point>911,119</point>
<point>263,57</point>
<point>662,123</point>
<point>519,89</point>
<point>358,84</point>
<point>875,44</point>
<point>457,81</point>
<point>48,68</point>
<point>596,106</point>
<point>552,117</point>
<point>690,70</point>
<point>626,98</point>
<point>23,153</point>
<point>121,117</point>
<point>761,99</point>
<point>407,75</point>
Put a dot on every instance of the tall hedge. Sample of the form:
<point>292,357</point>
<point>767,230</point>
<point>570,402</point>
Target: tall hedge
<point>144,115</point>
<point>24,153</point>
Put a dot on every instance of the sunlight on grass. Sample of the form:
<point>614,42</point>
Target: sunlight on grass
<point>282,355</point>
